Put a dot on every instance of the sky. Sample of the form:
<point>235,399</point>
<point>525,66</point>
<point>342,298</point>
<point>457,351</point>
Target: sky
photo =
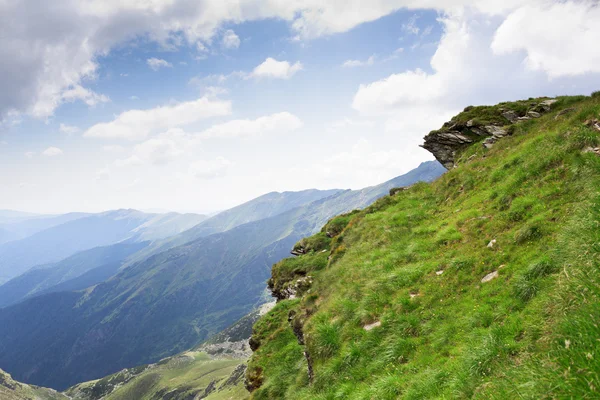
<point>200,105</point>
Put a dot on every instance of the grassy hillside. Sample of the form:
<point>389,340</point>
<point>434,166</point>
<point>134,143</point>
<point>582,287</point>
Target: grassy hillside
<point>213,370</point>
<point>483,284</point>
<point>13,390</point>
<point>165,304</point>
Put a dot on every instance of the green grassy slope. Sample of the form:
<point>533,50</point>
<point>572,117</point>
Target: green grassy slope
<point>213,370</point>
<point>13,390</point>
<point>408,301</point>
<point>163,305</point>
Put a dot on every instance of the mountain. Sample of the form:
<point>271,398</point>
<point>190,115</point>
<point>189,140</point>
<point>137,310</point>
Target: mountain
<point>166,303</point>
<point>73,233</point>
<point>262,207</point>
<point>13,390</point>
<point>15,225</point>
<point>79,271</point>
<point>213,370</point>
<point>482,284</point>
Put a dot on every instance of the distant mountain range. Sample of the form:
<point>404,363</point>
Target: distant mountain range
<point>51,239</point>
<point>168,296</point>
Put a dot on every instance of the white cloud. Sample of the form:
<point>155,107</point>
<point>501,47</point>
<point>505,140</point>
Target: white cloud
<point>64,39</point>
<point>52,152</point>
<point>162,149</point>
<point>410,26</point>
<point>272,68</point>
<point>102,174</point>
<point>276,123</point>
<point>210,169</point>
<point>560,39</point>
<point>113,148</point>
<point>158,63</point>
<point>358,63</point>
<point>30,154</point>
<point>230,40</point>
<point>68,129</point>
<point>137,124</point>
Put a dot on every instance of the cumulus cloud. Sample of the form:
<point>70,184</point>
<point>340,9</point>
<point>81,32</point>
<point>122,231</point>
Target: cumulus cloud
<point>276,123</point>
<point>138,124</point>
<point>230,40</point>
<point>569,47</point>
<point>113,148</point>
<point>359,63</point>
<point>64,39</point>
<point>68,129</point>
<point>210,169</point>
<point>158,63</point>
<point>274,69</point>
<point>52,152</point>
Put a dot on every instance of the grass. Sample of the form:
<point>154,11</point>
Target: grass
<point>176,378</point>
<point>530,333</point>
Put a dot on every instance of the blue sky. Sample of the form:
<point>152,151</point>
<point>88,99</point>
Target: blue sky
<point>199,106</point>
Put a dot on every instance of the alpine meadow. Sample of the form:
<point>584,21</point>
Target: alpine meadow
<point>301,200</point>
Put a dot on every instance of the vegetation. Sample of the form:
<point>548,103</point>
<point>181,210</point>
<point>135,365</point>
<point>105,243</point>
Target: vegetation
<point>177,378</point>
<point>484,284</point>
<point>167,303</point>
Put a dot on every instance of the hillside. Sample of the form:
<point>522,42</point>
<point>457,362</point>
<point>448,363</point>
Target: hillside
<point>483,284</point>
<point>213,370</point>
<point>166,303</point>
<point>13,390</point>
<point>265,206</point>
<point>76,272</point>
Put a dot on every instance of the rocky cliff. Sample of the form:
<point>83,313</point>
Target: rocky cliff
<point>484,124</point>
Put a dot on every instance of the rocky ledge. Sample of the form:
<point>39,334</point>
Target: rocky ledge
<point>485,124</point>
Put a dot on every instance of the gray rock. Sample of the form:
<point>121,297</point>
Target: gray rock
<point>489,277</point>
<point>564,112</point>
<point>533,114</point>
<point>511,116</point>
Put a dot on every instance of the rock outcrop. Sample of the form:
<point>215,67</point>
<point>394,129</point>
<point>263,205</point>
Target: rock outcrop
<point>486,124</point>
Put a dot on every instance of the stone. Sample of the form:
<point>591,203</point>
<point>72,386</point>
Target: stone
<point>564,112</point>
<point>533,114</point>
<point>491,244</point>
<point>368,327</point>
<point>489,277</point>
<point>593,123</point>
<point>470,123</point>
<point>511,116</point>
<point>439,272</point>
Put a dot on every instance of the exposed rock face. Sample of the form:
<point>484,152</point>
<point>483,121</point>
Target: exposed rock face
<point>477,123</point>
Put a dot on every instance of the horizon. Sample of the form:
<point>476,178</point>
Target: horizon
<point>180,109</point>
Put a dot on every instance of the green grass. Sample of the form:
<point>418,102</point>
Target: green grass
<point>176,378</point>
<point>530,333</point>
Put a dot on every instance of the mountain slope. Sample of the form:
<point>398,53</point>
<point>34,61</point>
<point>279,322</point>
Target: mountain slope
<point>162,305</point>
<point>266,206</point>
<point>76,272</point>
<point>213,370</point>
<point>12,390</point>
<point>61,241</point>
<point>483,284</point>
<point>16,226</point>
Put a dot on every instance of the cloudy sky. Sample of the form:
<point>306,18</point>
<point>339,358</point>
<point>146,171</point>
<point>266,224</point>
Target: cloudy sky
<point>199,105</point>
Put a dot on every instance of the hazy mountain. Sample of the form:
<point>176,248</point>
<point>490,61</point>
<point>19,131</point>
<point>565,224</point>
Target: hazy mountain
<point>71,233</point>
<point>76,272</point>
<point>265,206</point>
<point>15,225</point>
<point>166,303</point>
